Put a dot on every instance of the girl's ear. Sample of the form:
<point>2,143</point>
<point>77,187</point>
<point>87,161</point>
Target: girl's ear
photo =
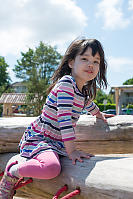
<point>70,63</point>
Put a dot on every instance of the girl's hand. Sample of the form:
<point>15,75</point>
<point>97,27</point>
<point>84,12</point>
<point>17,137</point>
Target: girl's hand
<point>77,155</point>
<point>103,116</point>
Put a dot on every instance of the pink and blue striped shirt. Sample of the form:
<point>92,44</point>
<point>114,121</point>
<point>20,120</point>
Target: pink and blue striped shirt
<point>60,113</point>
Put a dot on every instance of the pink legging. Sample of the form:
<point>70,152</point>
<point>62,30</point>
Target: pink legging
<point>46,165</point>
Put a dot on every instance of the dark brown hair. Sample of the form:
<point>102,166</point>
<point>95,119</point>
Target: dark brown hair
<point>79,47</point>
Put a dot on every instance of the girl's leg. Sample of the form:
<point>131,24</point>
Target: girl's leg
<point>8,180</point>
<point>14,168</point>
<point>44,166</point>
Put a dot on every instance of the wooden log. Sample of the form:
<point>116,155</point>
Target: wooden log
<point>95,136</point>
<point>106,147</point>
<point>92,135</point>
<point>101,177</point>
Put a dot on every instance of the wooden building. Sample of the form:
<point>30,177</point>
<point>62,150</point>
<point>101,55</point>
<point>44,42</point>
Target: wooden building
<point>123,96</point>
<point>10,102</point>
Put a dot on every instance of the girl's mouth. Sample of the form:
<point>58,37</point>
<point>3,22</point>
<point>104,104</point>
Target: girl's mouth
<point>88,71</point>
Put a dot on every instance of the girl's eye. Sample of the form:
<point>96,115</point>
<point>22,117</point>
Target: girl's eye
<point>84,59</point>
<point>96,62</point>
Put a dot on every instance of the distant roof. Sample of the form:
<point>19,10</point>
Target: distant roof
<point>13,98</point>
<point>123,87</point>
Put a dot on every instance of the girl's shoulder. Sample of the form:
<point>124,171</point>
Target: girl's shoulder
<point>69,81</point>
<point>67,78</point>
<point>66,82</point>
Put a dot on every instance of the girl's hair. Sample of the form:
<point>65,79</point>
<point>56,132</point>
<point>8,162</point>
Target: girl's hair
<point>79,47</point>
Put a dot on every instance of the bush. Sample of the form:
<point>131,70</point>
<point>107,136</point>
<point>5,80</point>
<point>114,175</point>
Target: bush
<point>103,107</point>
<point>130,106</point>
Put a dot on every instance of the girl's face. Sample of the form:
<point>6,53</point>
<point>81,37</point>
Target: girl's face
<point>85,67</point>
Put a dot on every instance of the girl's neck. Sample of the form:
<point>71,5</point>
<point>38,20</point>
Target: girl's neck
<point>79,83</point>
<point>80,86</point>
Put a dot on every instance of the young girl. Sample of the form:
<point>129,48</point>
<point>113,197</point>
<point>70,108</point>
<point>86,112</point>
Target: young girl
<point>52,133</point>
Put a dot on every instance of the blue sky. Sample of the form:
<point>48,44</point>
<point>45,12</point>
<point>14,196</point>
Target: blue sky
<point>24,23</point>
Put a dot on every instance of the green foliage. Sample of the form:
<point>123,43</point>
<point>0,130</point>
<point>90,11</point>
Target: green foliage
<point>107,106</point>
<point>110,98</point>
<point>36,68</point>
<point>130,106</point>
<point>128,82</point>
<point>4,77</point>
<point>41,61</point>
<point>37,95</point>
<point>101,96</point>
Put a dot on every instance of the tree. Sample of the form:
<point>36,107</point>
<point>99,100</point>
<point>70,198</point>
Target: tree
<point>4,77</point>
<point>101,96</point>
<point>128,82</point>
<point>41,61</point>
<point>36,68</point>
<point>36,95</point>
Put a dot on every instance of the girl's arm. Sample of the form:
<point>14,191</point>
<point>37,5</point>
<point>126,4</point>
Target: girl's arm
<point>74,154</point>
<point>70,146</point>
<point>103,116</point>
<point>94,110</point>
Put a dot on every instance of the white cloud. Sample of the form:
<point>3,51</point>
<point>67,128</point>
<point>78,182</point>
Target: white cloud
<point>119,70</point>
<point>120,64</point>
<point>26,22</point>
<point>130,4</point>
<point>112,14</point>
<point>12,41</point>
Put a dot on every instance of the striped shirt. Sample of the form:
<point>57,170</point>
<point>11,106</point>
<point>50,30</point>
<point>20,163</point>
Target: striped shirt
<point>60,113</point>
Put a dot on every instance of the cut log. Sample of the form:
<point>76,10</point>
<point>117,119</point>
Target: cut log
<point>92,135</point>
<point>101,177</point>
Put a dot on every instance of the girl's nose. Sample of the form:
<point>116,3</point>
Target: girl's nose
<point>90,64</point>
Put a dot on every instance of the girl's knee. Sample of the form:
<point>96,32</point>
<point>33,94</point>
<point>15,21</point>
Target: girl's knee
<point>40,169</point>
<point>54,170</point>
<point>49,171</point>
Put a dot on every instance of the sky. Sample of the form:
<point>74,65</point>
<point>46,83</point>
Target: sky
<point>24,23</point>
